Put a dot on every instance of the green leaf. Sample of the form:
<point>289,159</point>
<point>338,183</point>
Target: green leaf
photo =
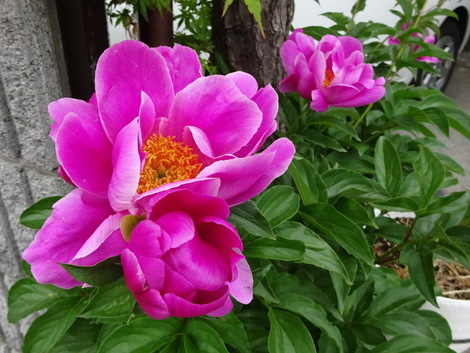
<point>27,296</point>
<point>308,181</point>
<point>312,312</point>
<point>453,203</point>
<point>403,322</point>
<point>230,330</point>
<point>49,328</point>
<point>278,204</point>
<point>398,204</point>
<point>335,123</point>
<point>249,217</point>
<point>111,303</point>
<point>430,174</point>
<point>317,251</point>
<point>411,344</point>
<point>102,273</point>
<point>35,215</point>
<point>81,337</point>
<point>142,335</point>
<point>421,270</point>
<point>438,325</point>
<point>203,337</point>
<point>354,211</point>
<point>274,249</point>
<point>340,228</point>
<point>342,182</point>
<point>388,166</point>
<point>438,118</point>
<point>254,7</point>
<point>288,334</point>
<point>392,299</point>
<point>226,6</point>
<point>459,120</point>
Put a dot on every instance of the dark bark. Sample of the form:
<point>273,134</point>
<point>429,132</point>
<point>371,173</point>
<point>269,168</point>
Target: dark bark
<point>238,37</point>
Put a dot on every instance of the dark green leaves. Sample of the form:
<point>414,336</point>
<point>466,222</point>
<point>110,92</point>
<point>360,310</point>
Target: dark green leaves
<point>249,217</point>
<point>308,181</point>
<point>430,174</point>
<point>27,296</point>
<point>345,232</point>
<point>278,204</point>
<point>411,344</point>
<point>288,334</point>
<point>102,273</point>
<point>141,335</point>
<point>388,166</point>
<point>35,215</point>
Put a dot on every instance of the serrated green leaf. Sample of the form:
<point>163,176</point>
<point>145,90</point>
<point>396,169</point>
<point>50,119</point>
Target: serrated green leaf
<point>50,327</point>
<point>340,228</point>
<point>278,204</point>
<point>102,273</point>
<point>35,215</point>
<point>27,296</point>
<point>388,166</point>
<point>248,216</point>
<point>254,7</point>
<point>288,334</point>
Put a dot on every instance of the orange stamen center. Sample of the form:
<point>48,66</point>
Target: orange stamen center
<point>329,76</point>
<point>167,161</point>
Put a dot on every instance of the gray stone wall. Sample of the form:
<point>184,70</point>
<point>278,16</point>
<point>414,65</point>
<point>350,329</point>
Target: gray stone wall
<point>32,74</point>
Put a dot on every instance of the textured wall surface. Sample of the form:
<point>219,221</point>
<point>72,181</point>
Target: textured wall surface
<point>31,75</point>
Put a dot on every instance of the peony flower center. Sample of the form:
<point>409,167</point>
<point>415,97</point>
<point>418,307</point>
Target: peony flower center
<point>329,76</point>
<point>167,161</point>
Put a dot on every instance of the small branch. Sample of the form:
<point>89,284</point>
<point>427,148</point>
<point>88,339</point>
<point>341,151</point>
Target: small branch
<point>460,291</point>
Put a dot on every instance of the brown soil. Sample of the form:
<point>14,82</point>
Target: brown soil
<point>453,279</point>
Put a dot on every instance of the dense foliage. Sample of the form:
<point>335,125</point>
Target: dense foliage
<point>309,238</point>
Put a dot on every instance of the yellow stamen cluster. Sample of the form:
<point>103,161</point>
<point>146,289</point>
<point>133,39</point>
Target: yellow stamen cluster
<point>167,161</point>
<point>329,76</point>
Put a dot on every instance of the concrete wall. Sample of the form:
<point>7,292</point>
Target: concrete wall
<point>32,74</point>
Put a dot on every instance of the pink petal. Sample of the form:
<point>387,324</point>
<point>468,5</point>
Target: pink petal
<point>201,263</point>
<point>245,82</point>
<point>242,288</point>
<point>216,106</point>
<point>208,302</point>
<point>84,152</point>
<point>223,310</point>
<point>153,304</point>
<point>126,167</point>
<point>146,116</point>
<point>202,186</point>
<point>144,240</point>
<point>364,98</point>
<point>267,100</point>
<point>123,72</point>
<point>99,236</point>
<point>179,226</point>
<point>244,178</point>
<point>133,274</point>
<point>183,63</point>
<point>318,102</point>
<point>74,218</point>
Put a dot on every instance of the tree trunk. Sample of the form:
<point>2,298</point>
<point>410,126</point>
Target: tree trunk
<point>238,37</point>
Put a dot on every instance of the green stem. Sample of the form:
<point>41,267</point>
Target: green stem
<point>369,107</point>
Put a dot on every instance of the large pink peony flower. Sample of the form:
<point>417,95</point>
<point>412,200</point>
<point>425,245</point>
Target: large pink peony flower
<point>154,124</point>
<point>185,259</point>
<point>330,72</point>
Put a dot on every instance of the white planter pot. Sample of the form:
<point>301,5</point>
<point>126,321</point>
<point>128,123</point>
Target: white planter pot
<point>457,314</point>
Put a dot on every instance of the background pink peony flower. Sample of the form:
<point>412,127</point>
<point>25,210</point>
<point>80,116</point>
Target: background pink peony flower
<point>184,259</point>
<point>153,124</point>
<point>330,72</point>
<point>430,39</point>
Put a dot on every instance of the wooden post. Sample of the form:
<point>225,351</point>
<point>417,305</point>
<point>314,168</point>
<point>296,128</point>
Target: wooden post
<point>158,30</point>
